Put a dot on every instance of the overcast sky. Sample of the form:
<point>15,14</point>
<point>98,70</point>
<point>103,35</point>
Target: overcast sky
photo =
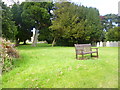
<point>104,6</point>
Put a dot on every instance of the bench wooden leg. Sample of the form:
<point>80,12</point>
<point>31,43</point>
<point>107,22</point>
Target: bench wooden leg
<point>91,54</point>
<point>82,56</point>
<point>97,54</point>
<point>76,56</point>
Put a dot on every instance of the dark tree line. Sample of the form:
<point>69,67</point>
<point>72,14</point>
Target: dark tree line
<point>66,25</point>
<point>20,19</point>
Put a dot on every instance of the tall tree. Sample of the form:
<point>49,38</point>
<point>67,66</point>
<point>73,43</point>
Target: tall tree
<point>9,30</point>
<point>75,24</point>
<point>37,15</point>
<point>23,28</point>
<point>0,21</point>
<point>93,26</point>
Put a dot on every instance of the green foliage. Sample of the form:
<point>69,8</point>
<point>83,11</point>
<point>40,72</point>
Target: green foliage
<point>113,34</point>
<point>75,24</point>
<point>93,26</point>
<point>31,14</point>
<point>9,30</point>
<point>35,14</point>
<point>45,35</point>
<point>23,28</point>
<point>7,54</point>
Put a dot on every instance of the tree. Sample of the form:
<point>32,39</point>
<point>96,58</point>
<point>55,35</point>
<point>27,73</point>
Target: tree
<point>0,21</point>
<point>23,28</point>
<point>37,15</point>
<point>93,27</point>
<point>45,33</point>
<point>75,24</point>
<point>113,34</point>
<point>9,30</point>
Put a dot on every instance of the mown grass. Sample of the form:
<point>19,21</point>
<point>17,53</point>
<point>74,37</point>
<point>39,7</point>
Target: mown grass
<point>56,67</point>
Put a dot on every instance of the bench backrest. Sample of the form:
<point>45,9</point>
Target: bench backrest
<point>84,47</point>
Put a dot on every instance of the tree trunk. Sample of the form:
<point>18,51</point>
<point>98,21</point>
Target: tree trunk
<point>17,42</point>
<point>35,37</point>
<point>53,43</point>
<point>24,43</point>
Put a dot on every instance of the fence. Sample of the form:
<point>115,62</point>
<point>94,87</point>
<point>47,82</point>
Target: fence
<point>108,44</point>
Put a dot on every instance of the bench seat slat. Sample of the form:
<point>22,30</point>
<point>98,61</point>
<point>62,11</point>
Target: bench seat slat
<point>87,52</point>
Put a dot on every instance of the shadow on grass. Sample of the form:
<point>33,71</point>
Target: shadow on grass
<point>86,57</point>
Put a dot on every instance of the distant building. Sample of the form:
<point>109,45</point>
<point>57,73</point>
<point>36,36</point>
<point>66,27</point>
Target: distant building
<point>101,17</point>
<point>119,8</point>
<point>110,20</point>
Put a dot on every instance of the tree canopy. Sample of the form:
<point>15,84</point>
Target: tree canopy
<point>66,25</point>
<point>9,30</point>
<point>113,34</point>
<point>75,24</point>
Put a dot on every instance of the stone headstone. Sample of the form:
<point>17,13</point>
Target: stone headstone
<point>104,44</point>
<point>101,44</point>
<point>107,44</point>
<point>118,43</point>
<point>98,44</point>
<point>114,44</point>
<point>111,44</point>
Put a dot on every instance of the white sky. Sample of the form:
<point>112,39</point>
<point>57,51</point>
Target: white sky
<point>104,6</point>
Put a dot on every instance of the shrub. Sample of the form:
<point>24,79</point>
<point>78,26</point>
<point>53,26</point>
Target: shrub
<point>7,54</point>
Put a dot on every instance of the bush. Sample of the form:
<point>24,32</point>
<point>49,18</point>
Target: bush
<point>7,54</point>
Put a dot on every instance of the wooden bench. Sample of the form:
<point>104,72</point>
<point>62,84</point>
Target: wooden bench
<point>82,49</point>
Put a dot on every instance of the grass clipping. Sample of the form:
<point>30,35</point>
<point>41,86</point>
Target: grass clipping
<point>7,54</point>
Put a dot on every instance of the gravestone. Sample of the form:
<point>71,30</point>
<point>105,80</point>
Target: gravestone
<point>118,43</point>
<point>115,44</point>
<point>101,44</point>
<point>98,44</point>
<point>104,44</point>
<point>111,44</point>
<point>107,44</point>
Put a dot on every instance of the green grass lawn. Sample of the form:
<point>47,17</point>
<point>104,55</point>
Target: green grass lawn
<point>56,67</point>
